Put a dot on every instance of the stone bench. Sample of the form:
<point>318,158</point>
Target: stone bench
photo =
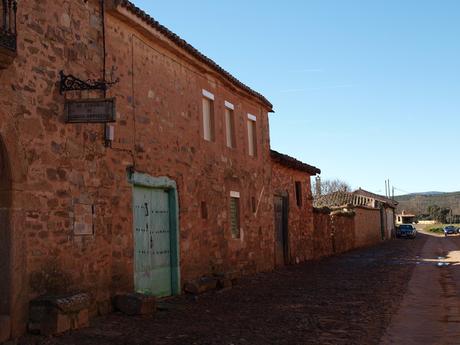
<point>57,314</point>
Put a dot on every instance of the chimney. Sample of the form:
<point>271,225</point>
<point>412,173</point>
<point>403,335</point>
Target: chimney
<point>318,186</point>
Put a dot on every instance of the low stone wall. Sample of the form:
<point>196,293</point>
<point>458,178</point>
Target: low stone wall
<point>344,231</point>
<point>337,232</point>
<point>322,234</point>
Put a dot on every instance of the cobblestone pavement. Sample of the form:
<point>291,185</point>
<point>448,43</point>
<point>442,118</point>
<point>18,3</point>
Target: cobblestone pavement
<point>347,299</point>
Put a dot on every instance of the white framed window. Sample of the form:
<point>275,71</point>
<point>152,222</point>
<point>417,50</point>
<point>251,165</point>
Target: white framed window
<point>230,125</point>
<point>208,95</point>
<point>208,116</point>
<point>252,135</point>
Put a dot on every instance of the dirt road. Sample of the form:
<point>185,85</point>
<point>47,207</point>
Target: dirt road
<point>347,299</point>
<point>430,311</point>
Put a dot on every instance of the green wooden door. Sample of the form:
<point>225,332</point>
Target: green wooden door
<point>152,242</point>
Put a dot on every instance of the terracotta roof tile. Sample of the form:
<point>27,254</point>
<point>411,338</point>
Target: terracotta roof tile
<point>293,163</point>
<point>336,199</point>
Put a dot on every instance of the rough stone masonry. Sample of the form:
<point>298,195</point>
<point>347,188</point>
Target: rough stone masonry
<point>67,198</point>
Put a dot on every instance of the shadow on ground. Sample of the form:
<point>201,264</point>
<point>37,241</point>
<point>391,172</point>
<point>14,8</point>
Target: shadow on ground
<point>347,299</point>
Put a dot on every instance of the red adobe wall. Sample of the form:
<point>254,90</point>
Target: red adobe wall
<point>367,226</point>
<point>300,219</point>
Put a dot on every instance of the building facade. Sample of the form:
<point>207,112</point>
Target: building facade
<point>387,207</point>
<point>178,187</point>
<point>293,202</point>
<point>366,200</point>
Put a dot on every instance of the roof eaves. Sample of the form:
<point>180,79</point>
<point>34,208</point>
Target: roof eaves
<point>378,197</point>
<point>293,163</point>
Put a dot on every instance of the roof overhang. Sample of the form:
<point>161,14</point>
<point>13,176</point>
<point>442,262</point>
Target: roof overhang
<point>292,163</point>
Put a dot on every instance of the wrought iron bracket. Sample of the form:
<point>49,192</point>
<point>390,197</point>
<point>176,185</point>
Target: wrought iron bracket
<point>71,83</point>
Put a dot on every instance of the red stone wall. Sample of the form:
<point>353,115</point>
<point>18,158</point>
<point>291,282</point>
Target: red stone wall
<point>300,219</point>
<point>323,244</point>
<point>160,123</point>
<point>367,227</point>
<point>344,232</point>
<point>52,166</point>
<point>61,172</point>
<point>339,232</point>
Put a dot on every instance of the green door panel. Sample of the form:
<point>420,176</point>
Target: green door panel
<point>160,242</point>
<point>152,241</point>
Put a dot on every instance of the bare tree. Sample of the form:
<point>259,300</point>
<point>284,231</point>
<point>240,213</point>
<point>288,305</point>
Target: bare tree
<point>329,186</point>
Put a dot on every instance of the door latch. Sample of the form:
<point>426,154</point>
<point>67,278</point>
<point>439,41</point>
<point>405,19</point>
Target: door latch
<point>146,209</point>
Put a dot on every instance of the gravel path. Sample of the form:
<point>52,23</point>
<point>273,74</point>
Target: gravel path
<point>430,311</point>
<point>347,299</point>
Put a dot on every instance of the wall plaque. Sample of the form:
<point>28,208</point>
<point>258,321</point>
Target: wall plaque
<point>90,110</point>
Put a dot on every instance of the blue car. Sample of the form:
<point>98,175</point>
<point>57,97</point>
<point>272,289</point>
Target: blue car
<point>406,230</point>
<point>450,230</point>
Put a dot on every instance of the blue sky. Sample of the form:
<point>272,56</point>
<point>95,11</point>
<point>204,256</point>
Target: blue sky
<point>365,90</point>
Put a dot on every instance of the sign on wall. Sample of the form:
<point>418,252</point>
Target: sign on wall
<point>90,110</point>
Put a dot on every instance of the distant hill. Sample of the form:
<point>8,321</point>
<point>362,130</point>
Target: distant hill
<point>425,193</point>
<point>418,202</point>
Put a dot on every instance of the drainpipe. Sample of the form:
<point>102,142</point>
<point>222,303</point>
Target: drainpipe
<point>108,129</point>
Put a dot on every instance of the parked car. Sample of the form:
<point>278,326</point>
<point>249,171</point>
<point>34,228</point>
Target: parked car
<point>406,230</point>
<point>450,230</point>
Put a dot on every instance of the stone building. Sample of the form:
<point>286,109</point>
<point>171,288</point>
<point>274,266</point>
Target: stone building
<point>177,187</point>
<point>372,217</point>
<point>386,206</point>
<point>293,202</point>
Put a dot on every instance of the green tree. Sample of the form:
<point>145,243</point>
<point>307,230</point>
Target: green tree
<point>438,213</point>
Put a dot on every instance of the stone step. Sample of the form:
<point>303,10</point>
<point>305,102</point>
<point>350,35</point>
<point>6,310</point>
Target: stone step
<point>135,304</point>
<point>5,328</point>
